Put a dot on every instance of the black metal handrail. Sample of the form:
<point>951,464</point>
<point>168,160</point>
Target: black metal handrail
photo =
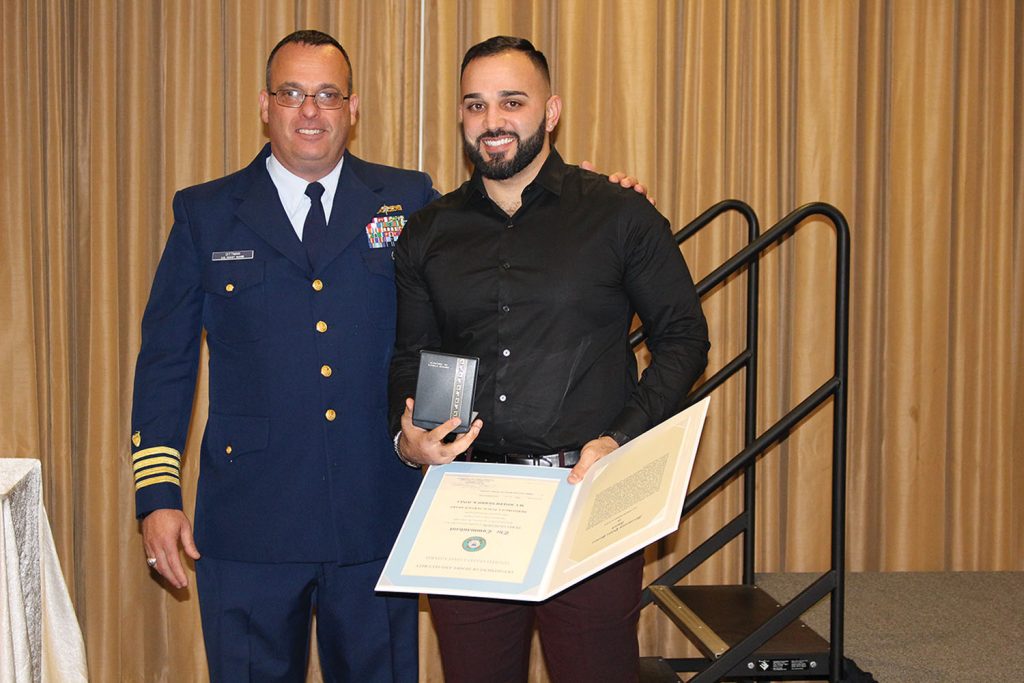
<point>834,388</point>
<point>746,359</point>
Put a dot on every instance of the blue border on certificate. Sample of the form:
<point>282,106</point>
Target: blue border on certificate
<point>425,496</point>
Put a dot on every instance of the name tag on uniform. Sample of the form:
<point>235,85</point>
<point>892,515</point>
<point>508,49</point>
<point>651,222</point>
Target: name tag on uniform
<point>243,255</point>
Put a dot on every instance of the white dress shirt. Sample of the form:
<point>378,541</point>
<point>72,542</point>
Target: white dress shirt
<point>292,191</point>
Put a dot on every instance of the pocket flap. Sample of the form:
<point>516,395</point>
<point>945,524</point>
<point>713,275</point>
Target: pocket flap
<point>232,435</point>
<point>231,278</point>
<point>380,262</point>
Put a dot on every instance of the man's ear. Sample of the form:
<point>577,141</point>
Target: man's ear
<point>353,108</point>
<point>552,111</point>
<point>264,106</point>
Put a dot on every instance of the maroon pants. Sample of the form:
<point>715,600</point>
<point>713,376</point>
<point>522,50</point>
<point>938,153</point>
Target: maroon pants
<point>588,633</point>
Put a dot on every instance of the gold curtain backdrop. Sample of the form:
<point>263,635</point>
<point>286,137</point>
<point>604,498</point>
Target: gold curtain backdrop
<point>907,115</point>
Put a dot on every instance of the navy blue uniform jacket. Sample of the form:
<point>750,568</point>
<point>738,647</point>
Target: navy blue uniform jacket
<point>296,461</point>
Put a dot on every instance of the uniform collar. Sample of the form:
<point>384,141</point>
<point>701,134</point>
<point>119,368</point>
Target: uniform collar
<point>292,188</point>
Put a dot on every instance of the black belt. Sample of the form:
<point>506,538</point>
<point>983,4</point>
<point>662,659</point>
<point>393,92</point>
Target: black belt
<point>563,458</point>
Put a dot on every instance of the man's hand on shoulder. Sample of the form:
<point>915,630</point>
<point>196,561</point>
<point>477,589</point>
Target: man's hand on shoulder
<point>162,532</point>
<point>592,451</point>
<point>424,447</point>
<point>626,181</point>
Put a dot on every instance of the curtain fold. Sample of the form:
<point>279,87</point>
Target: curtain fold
<point>908,116</point>
<point>36,191</point>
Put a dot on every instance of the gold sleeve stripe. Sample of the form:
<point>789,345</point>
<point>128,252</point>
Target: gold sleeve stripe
<point>156,450</point>
<point>156,470</point>
<point>157,460</point>
<point>157,480</point>
<point>142,476</point>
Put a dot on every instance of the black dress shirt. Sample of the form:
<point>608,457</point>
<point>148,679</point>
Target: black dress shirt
<point>544,299</point>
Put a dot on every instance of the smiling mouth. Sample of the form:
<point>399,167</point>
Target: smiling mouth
<point>498,142</point>
<point>310,131</point>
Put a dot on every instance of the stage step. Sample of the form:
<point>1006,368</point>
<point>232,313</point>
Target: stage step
<point>656,670</point>
<point>715,618</point>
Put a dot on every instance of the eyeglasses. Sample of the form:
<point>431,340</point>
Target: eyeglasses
<point>325,99</point>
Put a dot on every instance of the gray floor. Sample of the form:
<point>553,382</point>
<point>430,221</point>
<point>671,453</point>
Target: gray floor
<point>925,627</point>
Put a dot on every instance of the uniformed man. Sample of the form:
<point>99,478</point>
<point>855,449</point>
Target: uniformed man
<point>287,266</point>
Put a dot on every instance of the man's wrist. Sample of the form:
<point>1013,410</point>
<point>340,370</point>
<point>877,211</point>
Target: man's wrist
<point>398,452</point>
<point>618,437</point>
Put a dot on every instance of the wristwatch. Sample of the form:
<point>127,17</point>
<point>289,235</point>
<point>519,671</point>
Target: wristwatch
<point>398,452</point>
<point>619,437</point>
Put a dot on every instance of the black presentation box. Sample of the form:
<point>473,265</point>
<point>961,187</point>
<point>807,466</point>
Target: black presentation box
<point>444,389</point>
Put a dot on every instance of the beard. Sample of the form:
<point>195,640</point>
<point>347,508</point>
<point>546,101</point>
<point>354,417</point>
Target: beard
<point>503,167</point>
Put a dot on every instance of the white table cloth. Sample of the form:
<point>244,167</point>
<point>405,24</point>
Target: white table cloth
<point>40,639</point>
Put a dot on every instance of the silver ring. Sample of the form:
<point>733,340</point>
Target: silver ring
<point>151,561</point>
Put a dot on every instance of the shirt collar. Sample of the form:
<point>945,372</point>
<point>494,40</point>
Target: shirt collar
<point>550,177</point>
<point>292,189</point>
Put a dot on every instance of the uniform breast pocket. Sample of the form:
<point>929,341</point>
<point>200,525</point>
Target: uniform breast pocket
<point>236,303</point>
<point>379,297</point>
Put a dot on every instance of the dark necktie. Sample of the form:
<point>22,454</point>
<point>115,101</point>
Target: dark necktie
<point>314,230</point>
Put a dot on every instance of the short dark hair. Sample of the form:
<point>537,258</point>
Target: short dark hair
<point>310,37</point>
<point>499,44</point>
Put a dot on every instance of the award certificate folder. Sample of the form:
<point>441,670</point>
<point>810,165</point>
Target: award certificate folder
<point>445,386</point>
<point>518,532</point>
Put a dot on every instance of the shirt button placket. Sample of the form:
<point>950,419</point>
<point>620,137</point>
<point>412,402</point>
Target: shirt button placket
<point>504,267</point>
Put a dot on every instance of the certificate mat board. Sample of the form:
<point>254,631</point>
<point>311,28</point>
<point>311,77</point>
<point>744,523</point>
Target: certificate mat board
<point>517,532</point>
